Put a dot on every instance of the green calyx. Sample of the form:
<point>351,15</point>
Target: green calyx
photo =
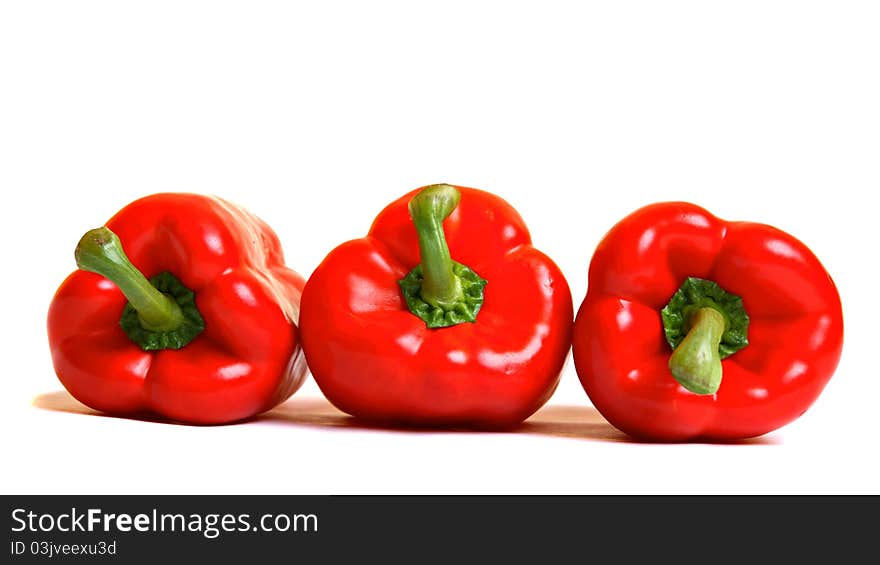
<point>161,313</point>
<point>440,291</point>
<point>703,324</point>
<point>464,309</point>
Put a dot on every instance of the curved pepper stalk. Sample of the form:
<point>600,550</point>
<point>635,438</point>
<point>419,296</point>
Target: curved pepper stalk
<point>440,291</point>
<point>703,324</point>
<point>161,312</point>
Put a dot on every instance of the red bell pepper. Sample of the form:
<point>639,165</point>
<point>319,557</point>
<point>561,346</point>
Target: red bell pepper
<point>672,291</point>
<point>395,330</point>
<point>210,338</point>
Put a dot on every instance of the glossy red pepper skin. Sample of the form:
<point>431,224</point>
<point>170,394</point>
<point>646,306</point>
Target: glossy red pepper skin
<point>374,359</point>
<point>619,351</point>
<point>247,360</point>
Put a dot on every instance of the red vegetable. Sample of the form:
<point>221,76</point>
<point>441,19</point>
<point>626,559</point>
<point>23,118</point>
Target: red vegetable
<point>210,338</point>
<point>395,330</point>
<point>672,290</point>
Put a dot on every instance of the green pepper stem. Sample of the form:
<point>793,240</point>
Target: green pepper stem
<point>696,362</point>
<point>100,251</point>
<point>441,287</point>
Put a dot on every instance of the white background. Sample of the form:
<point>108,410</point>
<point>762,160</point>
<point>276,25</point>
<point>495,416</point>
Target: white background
<point>315,115</point>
